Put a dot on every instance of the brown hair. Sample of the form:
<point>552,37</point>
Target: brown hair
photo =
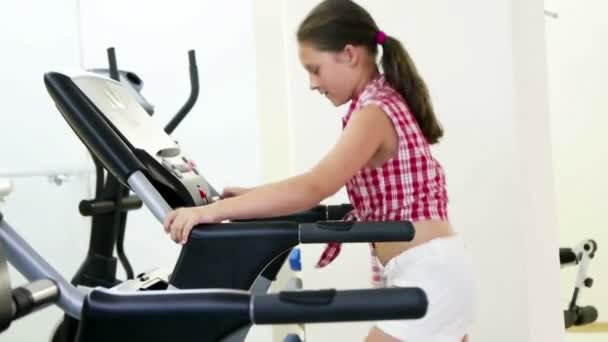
<point>333,24</point>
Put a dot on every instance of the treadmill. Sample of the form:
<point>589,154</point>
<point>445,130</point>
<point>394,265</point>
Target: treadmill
<point>130,314</point>
<point>141,155</point>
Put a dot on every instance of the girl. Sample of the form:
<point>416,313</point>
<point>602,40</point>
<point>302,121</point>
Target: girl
<point>383,159</point>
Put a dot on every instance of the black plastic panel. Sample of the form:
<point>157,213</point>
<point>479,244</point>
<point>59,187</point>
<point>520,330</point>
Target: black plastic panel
<point>159,316</point>
<point>232,255</point>
<point>90,125</point>
<point>357,231</point>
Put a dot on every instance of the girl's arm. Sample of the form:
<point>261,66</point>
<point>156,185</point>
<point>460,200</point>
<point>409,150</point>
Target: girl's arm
<point>358,143</point>
<point>233,191</point>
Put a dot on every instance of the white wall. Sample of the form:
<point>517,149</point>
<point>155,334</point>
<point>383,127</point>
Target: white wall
<point>57,232</point>
<point>33,41</point>
<point>34,138</point>
<point>272,108</point>
<point>152,39</point>
<point>271,90</point>
<point>484,63</point>
<point>577,56</point>
<point>545,318</point>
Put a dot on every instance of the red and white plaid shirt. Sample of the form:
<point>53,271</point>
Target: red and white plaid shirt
<point>410,186</point>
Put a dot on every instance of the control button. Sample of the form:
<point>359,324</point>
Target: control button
<point>185,168</point>
<point>177,173</point>
<point>203,195</point>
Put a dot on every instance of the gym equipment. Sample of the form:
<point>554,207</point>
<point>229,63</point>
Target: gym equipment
<point>108,210</point>
<point>109,221</point>
<point>579,256</point>
<point>112,200</point>
<point>26,299</point>
<point>153,315</point>
<point>139,154</point>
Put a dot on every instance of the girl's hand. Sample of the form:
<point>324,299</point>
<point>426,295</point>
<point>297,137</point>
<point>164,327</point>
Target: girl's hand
<point>180,222</point>
<point>234,191</point>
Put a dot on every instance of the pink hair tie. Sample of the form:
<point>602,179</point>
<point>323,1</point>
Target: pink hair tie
<point>380,38</point>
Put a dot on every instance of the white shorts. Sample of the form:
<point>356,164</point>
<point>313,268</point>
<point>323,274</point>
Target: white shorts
<point>443,269</point>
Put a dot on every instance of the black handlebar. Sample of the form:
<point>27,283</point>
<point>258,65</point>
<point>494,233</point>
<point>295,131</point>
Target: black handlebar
<point>356,231</point>
<point>99,207</point>
<point>91,126</point>
<point>567,256</point>
<point>338,306</point>
<point>318,213</point>
<point>194,91</point>
<point>113,65</point>
<point>212,315</point>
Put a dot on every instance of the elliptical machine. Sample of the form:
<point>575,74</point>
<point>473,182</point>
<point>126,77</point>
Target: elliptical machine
<point>112,202</point>
<point>108,210</point>
<point>113,126</point>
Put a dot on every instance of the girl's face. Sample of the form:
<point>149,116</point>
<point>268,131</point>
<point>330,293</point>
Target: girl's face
<point>332,74</point>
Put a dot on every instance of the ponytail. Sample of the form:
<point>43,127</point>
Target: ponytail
<point>401,73</point>
<point>333,24</point>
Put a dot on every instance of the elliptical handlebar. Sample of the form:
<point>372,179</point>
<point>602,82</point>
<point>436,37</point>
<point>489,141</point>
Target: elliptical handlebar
<point>194,91</point>
<point>113,65</point>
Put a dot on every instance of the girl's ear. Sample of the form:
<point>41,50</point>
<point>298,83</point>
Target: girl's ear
<point>349,55</point>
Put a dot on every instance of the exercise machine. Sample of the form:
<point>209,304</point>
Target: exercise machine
<point>127,313</point>
<point>108,210</point>
<point>581,255</point>
<point>140,155</point>
<point>112,202</point>
<point>116,129</point>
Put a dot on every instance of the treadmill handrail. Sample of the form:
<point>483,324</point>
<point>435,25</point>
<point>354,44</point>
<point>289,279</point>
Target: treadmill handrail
<point>286,307</point>
<point>320,306</point>
<point>355,231</point>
